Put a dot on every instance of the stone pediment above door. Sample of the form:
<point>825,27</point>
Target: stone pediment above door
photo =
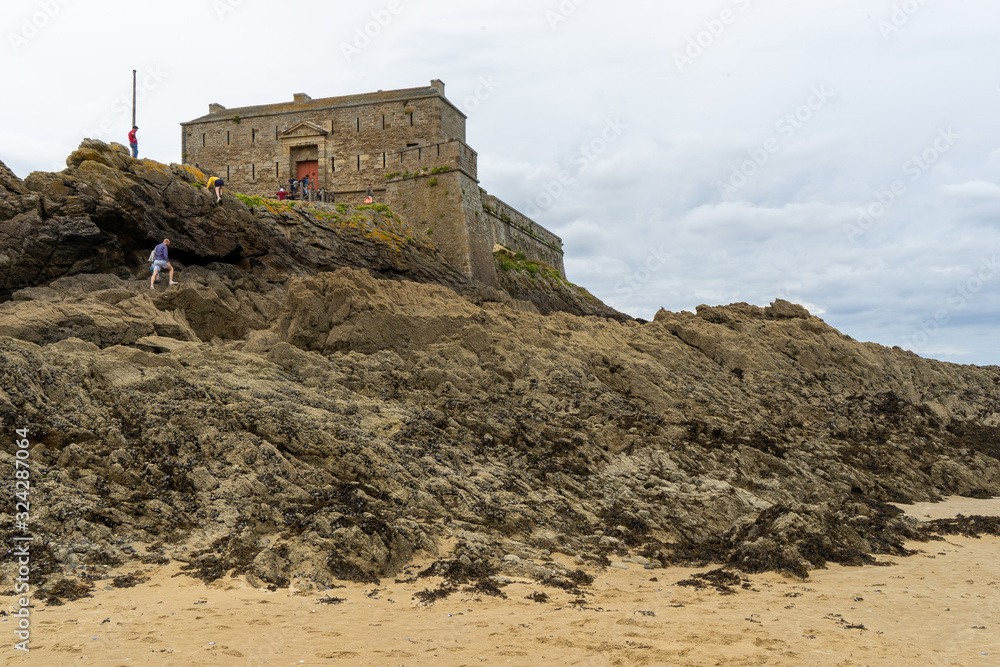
<point>303,129</point>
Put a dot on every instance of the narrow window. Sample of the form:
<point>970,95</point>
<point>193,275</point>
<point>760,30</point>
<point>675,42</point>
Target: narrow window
<point>439,150</point>
<point>383,121</point>
<point>276,170</point>
<point>227,137</point>
<point>275,132</point>
<point>359,163</point>
<point>227,172</point>
<point>333,164</point>
<point>359,124</point>
<point>411,120</point>
<point>383,160</point>
<point>202,140</point>
<point>253,136</point>
<point>253,172</point>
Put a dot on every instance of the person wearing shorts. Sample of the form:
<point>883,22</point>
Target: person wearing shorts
<point>216,183</point>
<point>161,261</point>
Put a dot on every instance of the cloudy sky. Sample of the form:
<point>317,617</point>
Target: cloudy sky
<point>841,154</point>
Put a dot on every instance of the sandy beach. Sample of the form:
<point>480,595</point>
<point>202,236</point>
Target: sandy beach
<point>939,607</point>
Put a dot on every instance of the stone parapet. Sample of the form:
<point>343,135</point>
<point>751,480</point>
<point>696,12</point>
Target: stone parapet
<point>518,232</point>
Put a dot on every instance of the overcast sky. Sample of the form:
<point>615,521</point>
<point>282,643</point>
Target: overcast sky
<point>841,154</point>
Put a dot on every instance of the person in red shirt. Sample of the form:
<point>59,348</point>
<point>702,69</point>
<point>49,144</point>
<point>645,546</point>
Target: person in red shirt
<point>133,142</point>
<point>281,193</point>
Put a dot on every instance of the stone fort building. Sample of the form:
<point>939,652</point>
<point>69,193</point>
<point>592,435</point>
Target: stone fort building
<point>409,143</point>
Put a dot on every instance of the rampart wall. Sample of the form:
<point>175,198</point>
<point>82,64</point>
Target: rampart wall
<point>516,231</point>
<point>448,205</point>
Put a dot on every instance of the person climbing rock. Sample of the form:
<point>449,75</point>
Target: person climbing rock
<point>133,142</point>
<point>161,261</point>
<point>217,183</point>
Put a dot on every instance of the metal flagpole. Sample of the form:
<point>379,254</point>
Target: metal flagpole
<point>133,98</point>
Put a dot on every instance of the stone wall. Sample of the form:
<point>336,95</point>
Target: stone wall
<point>448,206</point>
<point>516,231</point>
<point>409,144</point>
<point>247,147</point>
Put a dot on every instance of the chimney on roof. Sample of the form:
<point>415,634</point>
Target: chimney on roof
<point>438,84</point>
<point>302,98</point>
<point>215,108</point>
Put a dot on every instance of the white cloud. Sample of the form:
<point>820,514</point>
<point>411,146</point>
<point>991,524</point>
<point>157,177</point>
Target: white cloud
<point>644,223</point>
<point>973,190</point>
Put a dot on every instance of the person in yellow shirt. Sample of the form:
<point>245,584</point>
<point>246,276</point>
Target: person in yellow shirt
<point>217,183</point>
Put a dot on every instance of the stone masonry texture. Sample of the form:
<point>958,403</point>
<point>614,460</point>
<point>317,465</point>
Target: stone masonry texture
<point>409,144</point>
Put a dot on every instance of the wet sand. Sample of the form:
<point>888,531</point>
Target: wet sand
<point>940,607</point>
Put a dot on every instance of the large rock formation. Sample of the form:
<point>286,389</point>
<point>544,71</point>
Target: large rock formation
<point>107,210</point>
<point>276,418</point>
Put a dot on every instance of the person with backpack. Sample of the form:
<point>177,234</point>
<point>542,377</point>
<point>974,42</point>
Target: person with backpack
<point>161,261</point>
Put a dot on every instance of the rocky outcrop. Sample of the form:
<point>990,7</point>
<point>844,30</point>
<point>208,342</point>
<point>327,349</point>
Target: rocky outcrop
<point>279,417</point>
<point>37,247</point>
<point>549,292</point>
<point>349,422</point>
<point>106,211</point>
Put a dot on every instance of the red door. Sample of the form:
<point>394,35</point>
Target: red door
<point>310,169</point>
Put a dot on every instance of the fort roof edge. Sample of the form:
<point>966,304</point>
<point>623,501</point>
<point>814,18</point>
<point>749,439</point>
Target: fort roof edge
<point>340,101</point>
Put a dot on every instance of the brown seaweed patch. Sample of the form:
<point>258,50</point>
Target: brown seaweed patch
<point>967,526</point>
<point>720,580</point>
<point>478,574</point>
<point>793,540</point>
<point>129,580</point>
<point>65,590</point>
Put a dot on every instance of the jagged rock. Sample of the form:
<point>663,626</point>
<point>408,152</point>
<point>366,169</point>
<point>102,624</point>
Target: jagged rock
<point>784,309</point>
<point>550,294</point>
<point>350,310</point>
<point>106,211</point>
<point>162,344</point>
<point>354,420</point>
<point>34,251</point>
<point>97,308</point>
